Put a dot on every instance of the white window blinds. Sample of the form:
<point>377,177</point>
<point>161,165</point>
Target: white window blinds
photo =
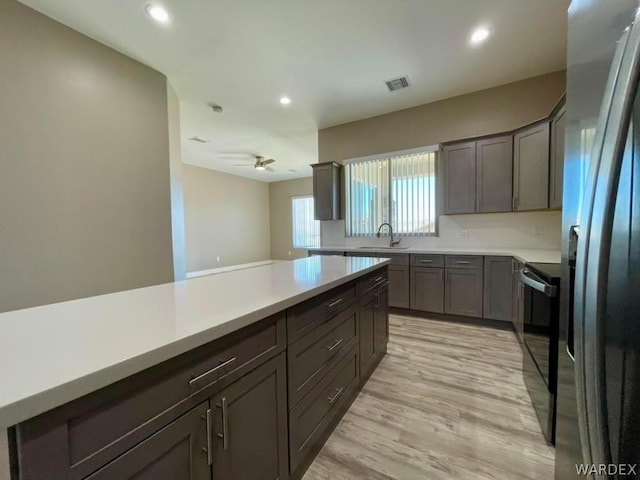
<point>399,189</point>
<point>306,230</point>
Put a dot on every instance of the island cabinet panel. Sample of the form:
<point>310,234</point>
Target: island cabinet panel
<point>367,333</point>
<point>311,420</point>
<point>427,289</point>
<point>249,435</point>
<point>84,435</point>
<point>315,354</point>
<point>498,279</point>
<point>177,452</point>
<point>306,316</point>
<point>381,320</point>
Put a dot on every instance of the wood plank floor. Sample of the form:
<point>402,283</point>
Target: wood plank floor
<point>447,402</point>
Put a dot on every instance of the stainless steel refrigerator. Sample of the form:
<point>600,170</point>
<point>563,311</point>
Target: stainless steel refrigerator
<point>598,401</point>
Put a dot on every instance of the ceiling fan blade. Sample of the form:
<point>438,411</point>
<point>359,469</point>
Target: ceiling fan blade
<point>269,169</point>
<point>244,165</point>
<point>268,162</point>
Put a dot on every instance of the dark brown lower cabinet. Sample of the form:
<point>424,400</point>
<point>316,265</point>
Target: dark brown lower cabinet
<point>463,292</point>
<point>367,333</point>
<point>249,434</point>
<point>427,289</point>
<point>399,286</point>
<point>177,452</point>
<point>518,301</point>
<point>498,280</point>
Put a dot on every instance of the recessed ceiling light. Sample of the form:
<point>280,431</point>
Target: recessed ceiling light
<point>285,100</point>
<point>479,35</point>
<point>157,12</point>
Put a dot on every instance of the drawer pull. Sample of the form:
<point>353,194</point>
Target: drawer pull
<point>426,261</point>
<point>214,369</point>
<point>463,262</point>
<point>225,427</point>
<point>334,345</point>
<point>335,397</point>
<point>335,302</point>
<point>378,279</point>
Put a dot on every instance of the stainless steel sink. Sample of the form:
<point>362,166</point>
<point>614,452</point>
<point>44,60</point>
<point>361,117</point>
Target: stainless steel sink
<point>383,248</point>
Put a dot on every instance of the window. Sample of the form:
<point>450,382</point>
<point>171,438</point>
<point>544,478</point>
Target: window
<point>306,230</point>
<point>396,188</point>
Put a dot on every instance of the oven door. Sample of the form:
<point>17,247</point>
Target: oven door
<point>539,323</point>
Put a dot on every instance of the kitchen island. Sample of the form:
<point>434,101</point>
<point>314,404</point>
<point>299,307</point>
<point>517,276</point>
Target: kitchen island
<point>230,375</point>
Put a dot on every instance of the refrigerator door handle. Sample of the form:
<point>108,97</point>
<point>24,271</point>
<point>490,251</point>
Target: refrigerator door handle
<point>593,248</point>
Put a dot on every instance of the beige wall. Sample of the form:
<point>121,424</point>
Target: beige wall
<point>84,166</point>
<point>480,113</point>
<point>177,200</point>
<point>226,216</point>
<point>280,194</point>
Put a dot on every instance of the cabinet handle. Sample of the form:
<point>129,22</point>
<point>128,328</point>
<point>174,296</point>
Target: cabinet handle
<point>378,279</point>
<point>335,302</point>
<point>214,369</point>
<point>225,428</point>
<point>426,261</point>
<point>334,345</point>
<point>209,448</point>
<point>335,397</point>
<point>463,262</point>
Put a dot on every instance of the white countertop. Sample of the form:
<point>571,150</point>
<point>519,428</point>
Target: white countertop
<point>522,254</point>
<point>56,353</point>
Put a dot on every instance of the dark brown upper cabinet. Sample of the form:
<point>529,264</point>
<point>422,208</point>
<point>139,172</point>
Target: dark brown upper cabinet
<point>556,163</point>
<point>531,167</point>
<point>477,176</point>
<point>459,178</point>
<point>494,163</point>
<point>326,190</point>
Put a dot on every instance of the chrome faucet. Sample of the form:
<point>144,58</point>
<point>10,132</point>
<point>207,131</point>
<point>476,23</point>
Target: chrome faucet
<point>392,243</point>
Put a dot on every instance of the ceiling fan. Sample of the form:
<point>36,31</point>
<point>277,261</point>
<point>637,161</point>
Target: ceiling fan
<point>261,164</point>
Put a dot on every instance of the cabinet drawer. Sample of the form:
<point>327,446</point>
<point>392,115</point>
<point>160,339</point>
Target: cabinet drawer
<point>307,422</point>
<point>427,261</point>
<point>463,261</point>
<point>304,317</point>
<point>314,355</point>
<point>93,430</point>
<point>396,258</point>
<point>371,281</point>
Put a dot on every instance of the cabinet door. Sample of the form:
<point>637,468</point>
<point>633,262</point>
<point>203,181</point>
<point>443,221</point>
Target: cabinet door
<point>531,168</point>
<point>557,159</point>
<point>367,333</point>
<point>250,426</point>
<point>498,283</point>
<point>459,178</point>
<point>463,292</point>
<point>399,286</point>
<point>518,301</point>
<point>381,321</point>
<point>427,289</point>
<point>177,452</point>
<point>494,160</point>
<point>326,191</point>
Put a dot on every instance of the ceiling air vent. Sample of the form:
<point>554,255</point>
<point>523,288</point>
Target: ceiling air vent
<point>397,83</point>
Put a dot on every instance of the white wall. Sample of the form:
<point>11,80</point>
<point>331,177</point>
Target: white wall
<point>492,230</point>
<point>226,216</point>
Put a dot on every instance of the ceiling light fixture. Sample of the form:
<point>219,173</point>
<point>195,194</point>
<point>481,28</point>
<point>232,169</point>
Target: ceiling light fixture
<point>260,167</point>
<point>479,35</point>
<point>285,100</point>
<point>157,12</point>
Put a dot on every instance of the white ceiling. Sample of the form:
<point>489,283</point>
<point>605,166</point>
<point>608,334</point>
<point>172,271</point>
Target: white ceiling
<point>330,56</point>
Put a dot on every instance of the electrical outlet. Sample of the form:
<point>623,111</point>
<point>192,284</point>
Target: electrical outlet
<point>537,231</point>
<point>463,233</point>
<point>217,259</point>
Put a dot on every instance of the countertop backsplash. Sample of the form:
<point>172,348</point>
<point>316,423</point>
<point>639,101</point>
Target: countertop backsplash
<point>526,230</point>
